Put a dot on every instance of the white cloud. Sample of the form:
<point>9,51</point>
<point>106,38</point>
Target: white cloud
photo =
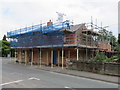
<point>19,13</point>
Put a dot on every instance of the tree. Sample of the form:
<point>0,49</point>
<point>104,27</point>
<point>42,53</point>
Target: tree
<point>119,42</point>
<point>104,34</point>
<point>4,38</point>
<point>4,48</point>
<point>108,36</point>
<point>119,39</point>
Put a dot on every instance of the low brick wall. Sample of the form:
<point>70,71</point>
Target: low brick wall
<point>95,67</point>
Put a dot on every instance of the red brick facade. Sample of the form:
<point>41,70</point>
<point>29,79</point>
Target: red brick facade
<point>46,54</point>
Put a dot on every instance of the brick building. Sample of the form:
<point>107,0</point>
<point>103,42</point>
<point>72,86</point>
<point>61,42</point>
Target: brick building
<point>53,44</point>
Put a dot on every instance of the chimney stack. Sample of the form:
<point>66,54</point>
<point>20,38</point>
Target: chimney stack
<point>50,22</point>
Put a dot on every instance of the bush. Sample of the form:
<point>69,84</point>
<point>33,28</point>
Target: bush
<point>118,55</point>
<point>109,59</point>
<point>100,56</point>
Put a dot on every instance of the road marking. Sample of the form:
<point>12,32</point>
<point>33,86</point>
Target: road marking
<point>11,82</point>
<point>67,87</point>
<point>33,78</point>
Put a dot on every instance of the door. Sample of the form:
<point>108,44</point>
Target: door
<point>54,57</point>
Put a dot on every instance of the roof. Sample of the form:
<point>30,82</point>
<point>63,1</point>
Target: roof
<point>75,27</point>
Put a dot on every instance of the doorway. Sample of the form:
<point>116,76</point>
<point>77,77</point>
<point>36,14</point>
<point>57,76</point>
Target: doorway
<point>54,57</point>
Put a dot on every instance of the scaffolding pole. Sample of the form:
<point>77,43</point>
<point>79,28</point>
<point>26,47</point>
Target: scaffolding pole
<point>95,45</point>
<point>10,52</point>
<point>51,58</point>
<point>15,55</point>
<point>25,57</point>
<point>32,57</point>
<point>47,58</point>
<point>86,46</point>
<point>92,42</point>
<point>62,58</point>
<point>77,54</point>
<point>69,54</point>
<point>40,57</point>
<point>11,55</point>
<point>20,56</point>
<point>58,57</point>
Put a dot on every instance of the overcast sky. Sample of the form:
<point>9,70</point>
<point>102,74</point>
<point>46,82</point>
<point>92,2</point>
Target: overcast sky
<point>15,14</point>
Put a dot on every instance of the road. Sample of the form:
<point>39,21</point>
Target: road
<point>21,76</point>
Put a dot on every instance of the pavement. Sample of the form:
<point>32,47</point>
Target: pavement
<point>107,78</point>
<point>16,75</point>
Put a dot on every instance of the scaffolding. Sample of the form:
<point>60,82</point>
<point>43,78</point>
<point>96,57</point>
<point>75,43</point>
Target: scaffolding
<point>54,35</point>
<point>39,28</point>
<point>58,36</point>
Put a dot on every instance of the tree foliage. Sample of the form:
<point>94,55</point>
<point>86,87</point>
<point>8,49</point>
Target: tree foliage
<point>108,36</point>
<point>119,38</point>
<point>119,42</point>
<point>4,48</point>
<point>100,56</point>
<point>4,38</point>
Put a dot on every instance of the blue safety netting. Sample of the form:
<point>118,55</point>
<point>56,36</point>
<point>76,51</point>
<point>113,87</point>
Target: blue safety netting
<point>38,39</point>
<point>39,28</point>
<point>39,35</point>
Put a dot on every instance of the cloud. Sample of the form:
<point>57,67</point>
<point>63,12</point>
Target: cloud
<point>15,14</point>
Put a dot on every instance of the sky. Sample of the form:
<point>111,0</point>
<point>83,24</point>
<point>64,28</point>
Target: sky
<point>16,14</point>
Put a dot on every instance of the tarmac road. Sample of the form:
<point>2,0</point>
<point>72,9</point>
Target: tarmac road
<point>21,76</point>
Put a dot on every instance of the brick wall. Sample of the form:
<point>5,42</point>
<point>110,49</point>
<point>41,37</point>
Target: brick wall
<point>103,45</point>
<point>18,54</point>
<point>47,59</point>
<point>35,55</point>
<point>70,39</point>
<point>96,67</point>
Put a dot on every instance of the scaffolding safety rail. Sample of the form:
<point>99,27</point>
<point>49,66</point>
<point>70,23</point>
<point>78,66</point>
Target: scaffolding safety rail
<point>39,28</point>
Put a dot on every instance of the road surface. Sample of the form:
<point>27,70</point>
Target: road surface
<point>21,76</point>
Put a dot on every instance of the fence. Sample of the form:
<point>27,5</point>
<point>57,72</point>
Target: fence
<point>95,67</point>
